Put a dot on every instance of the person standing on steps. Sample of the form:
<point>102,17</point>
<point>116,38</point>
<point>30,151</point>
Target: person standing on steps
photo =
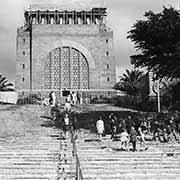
<point>122,125</point>
<point>142,139</point>
<point>78,97</point>
<point>52,102</point>
<point>100,127</point>
<point>52,98</point>
<point>172,124</point>
<point>112,125</point>
<point>74,98</point>
<point>155,127</point>
<point>69,99</point>
<point>75,125</point>
<point>130,122</point>
<point>124,137</point>
<point>68,106</point>
<point>66,123</point>
<point>133,138</point>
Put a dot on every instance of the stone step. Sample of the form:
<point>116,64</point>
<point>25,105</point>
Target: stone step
<point>123,155</point>
<point>33,153</point>
<point>94,163</point>
<point>38,178</point>
<point>134,176</point>
<point>36,156</point>
<point>37,172</point>
<point>127,154</point>
<point>127,166</point>
<point>129,178</point>
<point>137,171</point>
<point>30,176</point>
<point>130,160</point>
<point>118,143</point>
<point>42,167</point>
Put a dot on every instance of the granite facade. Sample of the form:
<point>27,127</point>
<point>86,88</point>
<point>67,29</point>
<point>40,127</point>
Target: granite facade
<point>96,45</point>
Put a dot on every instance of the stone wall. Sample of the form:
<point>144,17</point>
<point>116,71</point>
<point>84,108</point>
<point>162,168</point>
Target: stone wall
<point>97,47</point>
<point>23,44</point>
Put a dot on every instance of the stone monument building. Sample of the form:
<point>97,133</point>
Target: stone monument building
<point>65,49</point>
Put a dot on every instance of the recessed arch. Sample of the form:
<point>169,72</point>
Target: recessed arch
<point>47,48</point>
<point>65,68</point>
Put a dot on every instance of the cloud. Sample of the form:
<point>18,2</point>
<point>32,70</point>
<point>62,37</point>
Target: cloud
<point>122,14</point>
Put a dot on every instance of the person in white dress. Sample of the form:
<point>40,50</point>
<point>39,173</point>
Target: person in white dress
<point>124,137</point>
<point>100,127</point>
<point>74,98</point>
<point>53,99</point>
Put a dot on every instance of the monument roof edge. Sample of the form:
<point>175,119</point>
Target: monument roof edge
<point>40,7</point>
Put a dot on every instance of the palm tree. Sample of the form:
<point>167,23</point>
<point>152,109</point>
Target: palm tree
<point>5,85</point>
<point>130,83</point>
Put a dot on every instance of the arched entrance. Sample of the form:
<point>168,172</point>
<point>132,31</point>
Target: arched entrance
<point>66,67</point>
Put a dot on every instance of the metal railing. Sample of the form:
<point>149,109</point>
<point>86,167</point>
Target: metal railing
<point>78,175</point>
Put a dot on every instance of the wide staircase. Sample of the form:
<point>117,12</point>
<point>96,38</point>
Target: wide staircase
<point>40,153</point>
<point>105,161</point>
<point>50,158</point>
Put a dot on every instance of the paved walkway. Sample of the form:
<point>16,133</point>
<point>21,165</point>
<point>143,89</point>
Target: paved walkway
<point>100,107</point>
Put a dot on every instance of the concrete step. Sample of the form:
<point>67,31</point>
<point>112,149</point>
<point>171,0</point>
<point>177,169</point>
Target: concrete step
<point>35,162</point>
<point>134,176</point>
<point>135,159</point>
<point>103,163</point>
<point>127,166</point>
<point>137,171</point>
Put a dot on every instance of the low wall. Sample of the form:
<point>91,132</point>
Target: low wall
<point>38,96</point>
<point>8,97</point>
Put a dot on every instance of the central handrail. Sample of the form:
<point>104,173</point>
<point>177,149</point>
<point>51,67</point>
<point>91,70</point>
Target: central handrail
<point>79,175</point>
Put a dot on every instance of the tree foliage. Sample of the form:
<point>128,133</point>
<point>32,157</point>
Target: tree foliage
<point>173,93</point>
<point>132,83</point>
<point>5,85</point>
<point>157,40</point>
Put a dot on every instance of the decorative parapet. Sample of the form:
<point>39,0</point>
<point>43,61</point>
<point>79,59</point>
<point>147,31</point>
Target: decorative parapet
<point>94,16</point>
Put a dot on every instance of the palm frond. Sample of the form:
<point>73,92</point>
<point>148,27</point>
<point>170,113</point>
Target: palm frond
<point>5,85</point>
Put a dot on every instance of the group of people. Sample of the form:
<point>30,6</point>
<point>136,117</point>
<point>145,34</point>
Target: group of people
<point>127,130</point>
<point>72,99</point>
<point>131,130</point>
<point>55,106</point>
<point>166,129</point>
<point>67,121</point>
<point>126,136</point>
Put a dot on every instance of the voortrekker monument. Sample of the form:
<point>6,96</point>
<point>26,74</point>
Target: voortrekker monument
<point>65,47</point>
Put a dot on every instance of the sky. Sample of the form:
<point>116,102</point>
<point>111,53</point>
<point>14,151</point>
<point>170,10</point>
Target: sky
<point>122,14</point>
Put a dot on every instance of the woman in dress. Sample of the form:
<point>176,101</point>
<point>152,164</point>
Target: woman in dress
<point>100,127</point>
<point>124,136</point>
